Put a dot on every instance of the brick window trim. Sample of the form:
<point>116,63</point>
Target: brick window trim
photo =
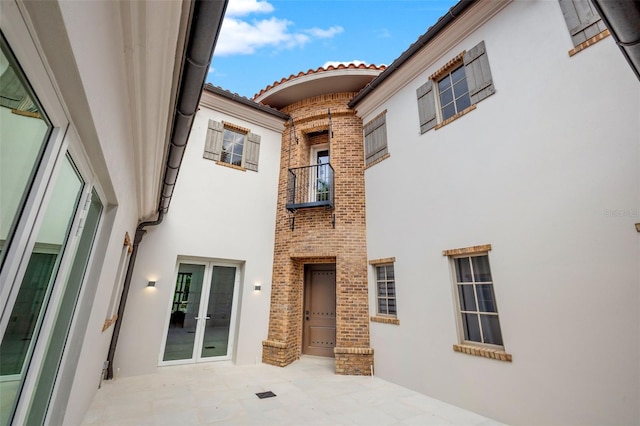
<point>235,127</point>
<point>467,250</point>
<point>593,40</point>
<point>448,67</point>
<point>496,354</point>
<point>231,166</point>
<point>382,261</point>
<point>108,323</point>
<point>385,320</point>
<point>377,160</point>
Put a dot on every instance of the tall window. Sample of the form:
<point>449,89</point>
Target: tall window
<point>476,300</point>
<point>386,284</point>
<point>454,93</point>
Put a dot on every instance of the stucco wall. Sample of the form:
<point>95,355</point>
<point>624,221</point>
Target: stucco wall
<point>546,171</point>
<point>217,213</point>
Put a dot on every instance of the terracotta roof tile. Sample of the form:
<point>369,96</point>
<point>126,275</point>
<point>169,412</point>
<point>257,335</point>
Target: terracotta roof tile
<point>318,70</point>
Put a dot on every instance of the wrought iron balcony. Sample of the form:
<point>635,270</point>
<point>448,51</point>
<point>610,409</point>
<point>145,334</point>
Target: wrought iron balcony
<point>310,186</point>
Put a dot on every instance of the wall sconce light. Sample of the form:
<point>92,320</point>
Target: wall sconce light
<point>258,287</point>
<point>151,284</point>
<point>638,227</point>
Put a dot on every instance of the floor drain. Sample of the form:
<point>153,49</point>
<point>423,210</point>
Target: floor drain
<point>267,394</point>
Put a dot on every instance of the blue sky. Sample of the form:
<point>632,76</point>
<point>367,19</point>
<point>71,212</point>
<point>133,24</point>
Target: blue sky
<point>264,41</point>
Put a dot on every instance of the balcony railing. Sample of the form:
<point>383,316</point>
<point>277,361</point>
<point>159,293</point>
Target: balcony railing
<point>310,186</point>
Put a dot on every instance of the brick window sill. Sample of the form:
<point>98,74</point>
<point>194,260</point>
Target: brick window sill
<point>231,166</point>
<point>483,352</point>
<point>455,117</point>
<point>385,320</point>
<point>379,160</point>
<point>593,40</point>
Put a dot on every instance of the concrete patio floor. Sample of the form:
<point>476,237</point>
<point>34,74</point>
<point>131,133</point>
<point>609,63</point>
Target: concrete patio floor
<point>307,393</point>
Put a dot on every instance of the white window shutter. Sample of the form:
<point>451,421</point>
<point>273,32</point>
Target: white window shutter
<point>426,106</point>
<point>476,67</point>
<point>582,20</point>
<point>213,144</point>
<point>252,152</point>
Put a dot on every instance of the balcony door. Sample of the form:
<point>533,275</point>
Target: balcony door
<point>202,314</point>
<point>320,180</point>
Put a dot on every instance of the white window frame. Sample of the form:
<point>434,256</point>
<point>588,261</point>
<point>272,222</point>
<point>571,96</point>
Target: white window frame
<point>386,281</point>
<point>458,304</point>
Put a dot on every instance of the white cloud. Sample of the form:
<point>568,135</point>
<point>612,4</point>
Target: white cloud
<point>246,7</point>
<point>328,33</point>
<point>212,69</point>
<point>240,37</point>
<point>244,37</point>
<point>336,63</point>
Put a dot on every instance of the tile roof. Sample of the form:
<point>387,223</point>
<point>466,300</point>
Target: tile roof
<point>319,70</point>
<point>243,100</point>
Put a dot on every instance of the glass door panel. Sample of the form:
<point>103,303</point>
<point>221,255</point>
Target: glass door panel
<point>181,333</point>
<point>26,316</point>
<point>53,357</point>
<point>23,135</point>
<point>219,312</point>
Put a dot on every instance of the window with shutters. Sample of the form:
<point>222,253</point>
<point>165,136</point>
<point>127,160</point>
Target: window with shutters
<point>375,139</point>
<point>582,20</point>
<point>455,89</point>
<point>230,144</point>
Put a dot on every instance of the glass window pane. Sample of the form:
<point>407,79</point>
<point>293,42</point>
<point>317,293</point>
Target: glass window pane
<point>237,149</point>
<point>458,74</point>
<point>446,97</point>
<point>237,160</point>
<point>382,289</point>
<point>444,84</point>
<point>486,299</point>
<point>181,333</point>
<point>380,272</point>
<point>23,136</point>
<point>66,311</point>
<point>460,88</point>
<point>471,327</point>
<point>392,306</point>
<point>390,272</point>
<point>226,145</point>
<point>467,298</point>
<point>448,111</point>
<point>216,330</point>
<point>28,310</point>
<point>382,306</point>
<point>491,329</point>
<point>391,289</point>
<point>463,270</point>
<point>481,270</point>
<point>225,157</point>
<point>463,102</point>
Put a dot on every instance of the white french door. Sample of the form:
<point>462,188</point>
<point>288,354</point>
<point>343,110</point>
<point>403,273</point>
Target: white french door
<point>202,315</point>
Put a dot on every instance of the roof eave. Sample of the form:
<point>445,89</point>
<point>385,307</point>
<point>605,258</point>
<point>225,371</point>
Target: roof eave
<point>455,11</point>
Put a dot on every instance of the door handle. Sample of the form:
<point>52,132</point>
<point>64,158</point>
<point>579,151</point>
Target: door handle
<point>208,318</point>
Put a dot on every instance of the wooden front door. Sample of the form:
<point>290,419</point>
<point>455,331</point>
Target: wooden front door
<point>319,315</point>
